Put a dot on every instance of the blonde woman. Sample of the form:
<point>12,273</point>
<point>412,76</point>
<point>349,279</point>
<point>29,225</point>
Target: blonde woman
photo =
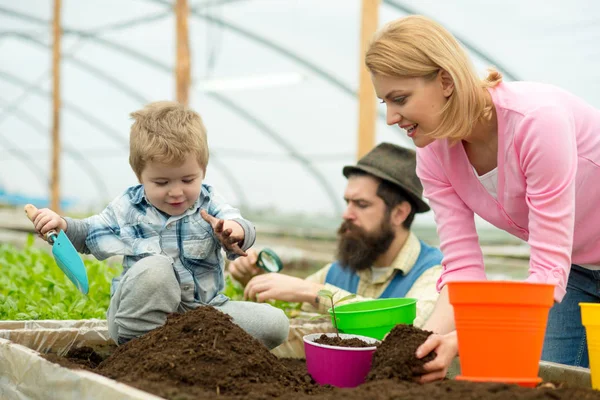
<point>523,156</point>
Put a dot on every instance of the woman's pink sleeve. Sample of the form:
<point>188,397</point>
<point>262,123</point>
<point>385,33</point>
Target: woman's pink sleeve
<point>546,146</point>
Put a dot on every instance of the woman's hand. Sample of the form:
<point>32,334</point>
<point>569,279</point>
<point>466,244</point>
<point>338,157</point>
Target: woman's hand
<point>446,347</point>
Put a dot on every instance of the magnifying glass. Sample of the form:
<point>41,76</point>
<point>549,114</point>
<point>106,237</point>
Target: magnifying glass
<point>269,261</point>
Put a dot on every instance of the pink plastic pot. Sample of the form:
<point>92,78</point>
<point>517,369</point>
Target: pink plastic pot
<point>344,367</point>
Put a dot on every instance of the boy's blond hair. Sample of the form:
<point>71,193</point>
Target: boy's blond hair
<point>166,132</point>
<point>417,46</point>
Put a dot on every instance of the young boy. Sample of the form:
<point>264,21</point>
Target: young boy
<point>169,230</point>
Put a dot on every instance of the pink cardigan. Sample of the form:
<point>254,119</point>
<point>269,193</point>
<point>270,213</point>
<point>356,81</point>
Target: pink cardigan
<point>548,186</point>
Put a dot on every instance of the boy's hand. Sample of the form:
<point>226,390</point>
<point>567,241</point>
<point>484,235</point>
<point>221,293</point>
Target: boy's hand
<point>229,239</point>
<point>46,220</point>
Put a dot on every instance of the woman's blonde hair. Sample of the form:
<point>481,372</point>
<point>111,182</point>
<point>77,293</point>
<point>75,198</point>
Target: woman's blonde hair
<point>417,46</point>
<point>166,132</point>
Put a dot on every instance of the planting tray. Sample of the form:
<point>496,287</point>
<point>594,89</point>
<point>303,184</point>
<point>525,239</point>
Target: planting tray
<point>57,336</point>
<point>26,375</point>
<point>576,377</point>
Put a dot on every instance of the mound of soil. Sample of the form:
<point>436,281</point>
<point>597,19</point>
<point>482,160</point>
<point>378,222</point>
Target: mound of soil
<point>198,353</point>
<point>395,357</point>
<point>202,354</point>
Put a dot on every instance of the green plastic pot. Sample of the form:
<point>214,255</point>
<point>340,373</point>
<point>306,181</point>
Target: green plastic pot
<point>375,318</point>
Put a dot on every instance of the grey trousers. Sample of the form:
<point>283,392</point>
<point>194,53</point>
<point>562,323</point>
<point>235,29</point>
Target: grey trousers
<point>149,291</point>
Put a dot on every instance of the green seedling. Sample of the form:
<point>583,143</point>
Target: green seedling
<point>329,294</point>
<point>32,287</point>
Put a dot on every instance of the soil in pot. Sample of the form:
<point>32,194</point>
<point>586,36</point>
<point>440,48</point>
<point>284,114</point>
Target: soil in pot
<point>338,341</point>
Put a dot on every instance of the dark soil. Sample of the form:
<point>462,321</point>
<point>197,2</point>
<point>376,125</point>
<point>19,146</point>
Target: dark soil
<point>451,390</point>
<point>395,357</point>
<point>338,341</point>
<point>202,355</point>
<point>82,357</point>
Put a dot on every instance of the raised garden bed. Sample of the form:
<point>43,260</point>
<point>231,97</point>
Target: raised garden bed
<point>57,336</point>
<point>201,354</point>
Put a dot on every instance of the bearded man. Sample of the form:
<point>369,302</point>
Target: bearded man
<point>377,254</point>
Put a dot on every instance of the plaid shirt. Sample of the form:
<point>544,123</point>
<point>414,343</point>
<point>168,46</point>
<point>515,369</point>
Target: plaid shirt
<point>131,227</point>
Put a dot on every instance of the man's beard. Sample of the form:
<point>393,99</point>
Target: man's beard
<point>358,249</point>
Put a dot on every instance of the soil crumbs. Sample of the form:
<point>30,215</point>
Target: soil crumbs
<point>202,354</point>
<point>395,357</point>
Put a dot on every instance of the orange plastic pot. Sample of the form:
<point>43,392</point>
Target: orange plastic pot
<point>500,327</point>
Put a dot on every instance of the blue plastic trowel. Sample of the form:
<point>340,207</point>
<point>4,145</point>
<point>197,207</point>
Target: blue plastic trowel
<point>64,254</point>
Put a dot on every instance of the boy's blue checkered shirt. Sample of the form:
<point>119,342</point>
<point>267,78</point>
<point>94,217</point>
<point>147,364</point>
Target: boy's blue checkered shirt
<point>131,227</point>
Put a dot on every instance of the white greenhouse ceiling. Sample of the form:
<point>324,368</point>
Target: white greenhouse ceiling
<point>275,81</point>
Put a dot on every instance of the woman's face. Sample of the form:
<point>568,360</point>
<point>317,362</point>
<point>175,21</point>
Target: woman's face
<point>414,104</point>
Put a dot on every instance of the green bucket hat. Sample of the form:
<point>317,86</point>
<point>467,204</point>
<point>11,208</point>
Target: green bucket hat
<point>396,165</point>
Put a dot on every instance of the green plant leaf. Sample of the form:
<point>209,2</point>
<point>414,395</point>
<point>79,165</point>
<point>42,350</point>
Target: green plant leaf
<point>325,293</point>
<point>350,296</point>
<point>233,289</point>
<point>32,286</point>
